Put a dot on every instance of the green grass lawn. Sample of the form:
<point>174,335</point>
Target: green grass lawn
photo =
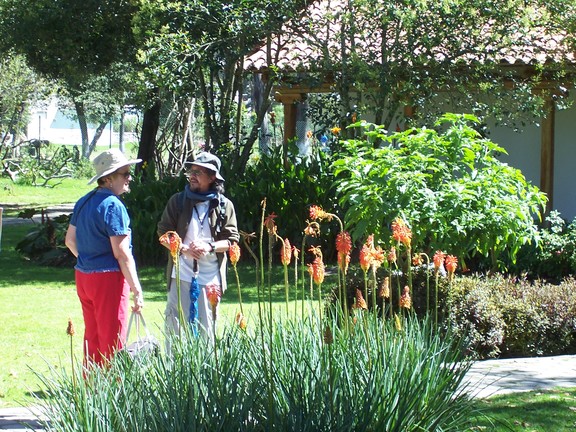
<point>14,197</point>
<point>535,411</point>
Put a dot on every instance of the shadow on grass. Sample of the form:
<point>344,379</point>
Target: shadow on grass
<point>550,410</point>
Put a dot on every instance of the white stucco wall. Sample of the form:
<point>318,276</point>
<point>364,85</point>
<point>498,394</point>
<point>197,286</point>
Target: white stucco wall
<point>524,153</point>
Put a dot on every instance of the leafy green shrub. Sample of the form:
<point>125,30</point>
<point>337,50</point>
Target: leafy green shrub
<point>145,203</point>
<point>289,188</point>
<point>44,244</point>
<point>448,184</point>
<point>502,316</point>
<point>379,378</point>
<point>554,256</point>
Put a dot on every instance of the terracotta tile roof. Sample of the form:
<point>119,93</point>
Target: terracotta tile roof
<point>312,43</point>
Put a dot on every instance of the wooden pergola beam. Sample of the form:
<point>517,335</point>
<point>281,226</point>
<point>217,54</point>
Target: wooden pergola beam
<point>547,152</point>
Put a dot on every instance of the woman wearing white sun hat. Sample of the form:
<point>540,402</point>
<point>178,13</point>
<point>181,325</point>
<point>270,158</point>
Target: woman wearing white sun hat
<point>99,235</point>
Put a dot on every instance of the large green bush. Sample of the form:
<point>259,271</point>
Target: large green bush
<point>447,183</point>
<point>554,256</point>
<point>146,202</point>
<point>504,317</point>
<point>290,186</point>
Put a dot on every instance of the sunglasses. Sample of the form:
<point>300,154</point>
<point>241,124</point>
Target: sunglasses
<point>126,174</point>
<point>196,173</point>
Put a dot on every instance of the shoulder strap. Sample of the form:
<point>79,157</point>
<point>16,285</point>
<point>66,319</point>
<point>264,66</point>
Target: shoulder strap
<point>86,201</point>
<point>181,198</point>
<point>221,213</point>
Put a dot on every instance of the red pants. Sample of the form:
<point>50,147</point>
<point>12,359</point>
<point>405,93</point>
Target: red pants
<point>104,298</point>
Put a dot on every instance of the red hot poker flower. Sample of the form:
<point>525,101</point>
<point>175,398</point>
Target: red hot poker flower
<point>343,262</point>
<point>296,252</point>
<point>405,300</point>
<point>365,258</point>
<point>451,262</point>
<point>343,242</point>
<point>316,269</point>
<point>438,259</point>
<point>270,224</point>
<point>378,257</point>
<point>385,288</point>
<point>392,255</point>
<point>173,242</point>
<point>312,229</point>
<point>360,302</point>
<point>213,295</point>
<point>401,232</point>
<point>241,321</point>
<point>286,253</point>
<point>234,253</point>
<point>316,212</point>
<point>70,331</point>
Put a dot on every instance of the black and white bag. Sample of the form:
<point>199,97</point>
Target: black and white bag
<point>145,344</point>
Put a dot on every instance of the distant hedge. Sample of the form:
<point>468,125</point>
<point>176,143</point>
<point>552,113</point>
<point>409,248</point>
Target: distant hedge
<point>506,317</point>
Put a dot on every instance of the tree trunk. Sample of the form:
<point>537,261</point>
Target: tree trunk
<point>258,90</point>
<point>150,125</point>
<point>121,132</point>
<point>97,135</point>
<point>81,114</point>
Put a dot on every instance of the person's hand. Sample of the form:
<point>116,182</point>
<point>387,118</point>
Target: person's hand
<point>138,301</point>
<point>199,248</point>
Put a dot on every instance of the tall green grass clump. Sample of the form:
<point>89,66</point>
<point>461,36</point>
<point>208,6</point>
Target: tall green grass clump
<point>310,375</point>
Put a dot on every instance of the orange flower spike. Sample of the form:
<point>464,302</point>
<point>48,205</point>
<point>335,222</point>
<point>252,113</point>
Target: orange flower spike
<point>365,258</point>
<point>316,269</point>
<point>360,302</point>
<point>241,321</point>
<point>286,253</point>
<point>316,212</point>
<point>312,229</point>
<point>335,130</point>
<point>378,257</point>
<point>295,252</point>
<point>405,300</point>
<point>417,260</point>
<point>392,255</point>
<point>315,250</point>
<point>172,241</point>
<point>213,294</point>
<point>234,253</point>
<point>438,259</point>
<point>70,331</point>
<point>401,232</point>
<point>343,262</point>
<point>270,224</point>
<point>384,291</point>
<point>451,263</point>
<point>343,242</point>
<point>309,134</point>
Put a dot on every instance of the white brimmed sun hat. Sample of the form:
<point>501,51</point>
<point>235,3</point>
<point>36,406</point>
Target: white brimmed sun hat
<point>208,161</point>
<point>109,161</point>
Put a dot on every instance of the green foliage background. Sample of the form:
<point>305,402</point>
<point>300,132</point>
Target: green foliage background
<point>447,183</point>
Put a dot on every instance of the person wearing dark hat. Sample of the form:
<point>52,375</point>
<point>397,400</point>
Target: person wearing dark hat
<point>99,235</point>
<point>205,220</point>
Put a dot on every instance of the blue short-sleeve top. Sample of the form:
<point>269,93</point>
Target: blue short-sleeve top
<point>98,216</point>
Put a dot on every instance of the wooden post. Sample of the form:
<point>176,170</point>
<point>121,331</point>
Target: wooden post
<point>547,152</point>
<point>289,102</point>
